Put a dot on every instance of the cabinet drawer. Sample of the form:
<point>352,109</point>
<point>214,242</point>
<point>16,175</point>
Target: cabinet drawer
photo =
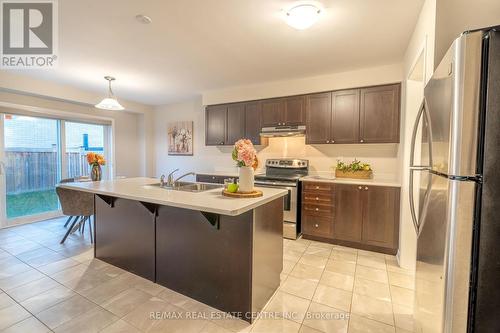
<point>317,226</point>
<point>317,198</point>
<point>319,186</point>
<point>317,210</point>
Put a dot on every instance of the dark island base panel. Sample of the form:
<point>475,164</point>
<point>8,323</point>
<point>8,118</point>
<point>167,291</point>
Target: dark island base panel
<point>232,263</point>
<point>125,235</point>
<point>355,245</point>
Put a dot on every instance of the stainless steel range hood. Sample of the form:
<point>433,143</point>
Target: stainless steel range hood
<point>283,131</point>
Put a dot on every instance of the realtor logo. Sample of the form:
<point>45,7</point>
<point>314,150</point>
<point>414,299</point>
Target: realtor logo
<point>29,34</point>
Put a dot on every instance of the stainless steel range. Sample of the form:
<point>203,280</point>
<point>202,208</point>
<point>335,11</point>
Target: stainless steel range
<point>285,173</point>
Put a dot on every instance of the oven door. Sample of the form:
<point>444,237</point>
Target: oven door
<point>289,205</point>
<point>289,201</point>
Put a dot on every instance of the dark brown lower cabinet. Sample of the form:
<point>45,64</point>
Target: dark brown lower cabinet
<point>347,224</point>
<point>381,216</point>
<point>361,216</point>
<point>317,225</point>
<point>317,209</point>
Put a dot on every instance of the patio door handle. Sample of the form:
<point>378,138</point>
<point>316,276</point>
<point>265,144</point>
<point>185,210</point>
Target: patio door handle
<point>2,168</point>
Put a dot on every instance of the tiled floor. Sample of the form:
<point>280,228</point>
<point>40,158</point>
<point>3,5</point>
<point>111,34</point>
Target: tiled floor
<point>48,287</point>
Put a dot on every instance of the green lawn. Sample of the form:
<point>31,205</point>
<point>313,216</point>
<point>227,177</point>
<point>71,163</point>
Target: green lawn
<point>31,203</point>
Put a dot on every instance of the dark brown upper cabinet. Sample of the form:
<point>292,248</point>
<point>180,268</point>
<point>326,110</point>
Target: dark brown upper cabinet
<point>253,121</point>
<point>345,116</point>
<point>318,118</point>
<point>215,125</point>
<point>368,115</point>
<point>287,111</point>
<point>225,124</point>
<point>365,115</point>
<point>235,123</point>
<point>272,112</point>
<point>295,110</point>
<point>379,114</point>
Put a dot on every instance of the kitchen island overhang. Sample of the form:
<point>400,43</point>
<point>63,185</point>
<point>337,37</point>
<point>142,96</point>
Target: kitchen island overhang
<point>224,252</point>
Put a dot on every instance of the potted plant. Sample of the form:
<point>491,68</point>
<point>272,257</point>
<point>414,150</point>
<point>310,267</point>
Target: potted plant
<point>245,156</point>
<point>356,169</point>
<point>95,161</point>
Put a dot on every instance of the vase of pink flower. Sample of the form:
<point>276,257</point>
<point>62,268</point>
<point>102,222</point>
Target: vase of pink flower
<point>245,156</point>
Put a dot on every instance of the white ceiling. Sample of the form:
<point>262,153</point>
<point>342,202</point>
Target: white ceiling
<point>198,45</point>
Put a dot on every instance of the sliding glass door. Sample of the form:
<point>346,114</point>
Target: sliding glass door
<point>32,163</point>
<point>36,153</point>
<point>3,208</point>
<point>82,138</point>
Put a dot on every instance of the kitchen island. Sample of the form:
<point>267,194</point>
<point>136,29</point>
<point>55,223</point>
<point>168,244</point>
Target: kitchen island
<point>224,252</point>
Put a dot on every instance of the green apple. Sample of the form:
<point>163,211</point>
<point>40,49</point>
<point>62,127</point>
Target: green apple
<point>233,188</point>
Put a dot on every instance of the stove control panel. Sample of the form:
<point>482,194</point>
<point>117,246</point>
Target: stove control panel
<point>287,163</point>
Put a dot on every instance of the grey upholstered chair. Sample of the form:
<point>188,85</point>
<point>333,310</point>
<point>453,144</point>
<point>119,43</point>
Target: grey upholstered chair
<point>79,204</point>
<point>63,181</point>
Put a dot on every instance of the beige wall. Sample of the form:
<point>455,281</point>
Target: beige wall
<point>356,78</point>
<point>385,158</point>
<point>418,68</point>
<point>455,16</point>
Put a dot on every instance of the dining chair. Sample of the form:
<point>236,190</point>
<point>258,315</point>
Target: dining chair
<point>78,204</point>
<point>64,181</point>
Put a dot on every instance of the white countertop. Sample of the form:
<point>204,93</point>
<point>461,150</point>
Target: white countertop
<point>210,201</point>
<point>375,181</point>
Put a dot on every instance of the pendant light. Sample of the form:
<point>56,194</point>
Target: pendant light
<point>110,102</point>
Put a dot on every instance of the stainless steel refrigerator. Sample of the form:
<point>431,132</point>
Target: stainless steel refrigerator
<point>455,190</point>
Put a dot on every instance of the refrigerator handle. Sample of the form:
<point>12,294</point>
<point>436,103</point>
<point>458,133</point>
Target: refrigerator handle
<point>413,167</point>
<point>419,222</point>
<point>414,135</point>
<point>423,111</point>
<point>412,204</point>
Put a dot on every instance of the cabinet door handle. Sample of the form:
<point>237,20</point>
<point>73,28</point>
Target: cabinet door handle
<point>333,141</point>
<point>361,140</point>
<point>317,198</point>
<point>317,209</point>
<point>360,187</point>
<point>317,187</point>
<point>221,143</point>
<point>327,141</point>
<point>366,188</point>
<point>316,225</point>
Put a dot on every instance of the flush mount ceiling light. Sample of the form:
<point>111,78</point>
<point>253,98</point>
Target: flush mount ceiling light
<point>143,19</point>
<point>110,102</point>
<point>303,16</point>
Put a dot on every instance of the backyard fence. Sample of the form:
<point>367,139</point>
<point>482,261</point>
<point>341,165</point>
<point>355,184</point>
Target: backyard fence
<point>30,171</point>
